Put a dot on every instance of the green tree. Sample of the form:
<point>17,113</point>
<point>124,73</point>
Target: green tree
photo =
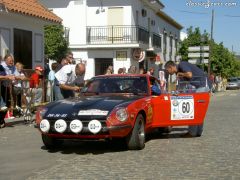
<point>55,45</point>
<point>223,62</point>
<point>195,38</point>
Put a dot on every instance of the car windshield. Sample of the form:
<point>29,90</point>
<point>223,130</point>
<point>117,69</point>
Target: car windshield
<point>117,84</point>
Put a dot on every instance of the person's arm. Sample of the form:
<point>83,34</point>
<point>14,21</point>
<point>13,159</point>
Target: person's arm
<point>8,77</point>
<point>185,74</point>
<point>67,87</point>
<point>22,78</point>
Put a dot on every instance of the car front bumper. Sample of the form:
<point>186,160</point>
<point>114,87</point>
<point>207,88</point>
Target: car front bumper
<point>118,131</point>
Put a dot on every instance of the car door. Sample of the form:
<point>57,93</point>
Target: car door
<point>160,105</point>
<point>179,109</point>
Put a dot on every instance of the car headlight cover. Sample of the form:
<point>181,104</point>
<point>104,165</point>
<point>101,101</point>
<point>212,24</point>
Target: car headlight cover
<point>94,126</point>
<point>45,125</point>
<point>122,114</point>
<point>60,125</point>
<point>76,126</point>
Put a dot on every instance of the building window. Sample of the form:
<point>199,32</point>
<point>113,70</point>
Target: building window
<point>137,18</point>
<point>23,47</point>
<point>66,33</point>
<point>176,47</point>
<point>171,46</point>
<point>164,44</point>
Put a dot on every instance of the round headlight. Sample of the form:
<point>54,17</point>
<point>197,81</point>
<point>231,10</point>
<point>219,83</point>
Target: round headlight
<point>94,126</point>
<point>60,125</point>
<point>122,114</point>
<point>44,125</point>
<point>76,126</point>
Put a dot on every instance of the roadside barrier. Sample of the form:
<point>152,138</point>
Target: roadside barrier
<point>19,100</point>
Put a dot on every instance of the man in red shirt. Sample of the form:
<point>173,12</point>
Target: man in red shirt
<point>35,84</point>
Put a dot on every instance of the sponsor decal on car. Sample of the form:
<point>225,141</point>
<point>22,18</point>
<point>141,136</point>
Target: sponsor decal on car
<point>92,112</point>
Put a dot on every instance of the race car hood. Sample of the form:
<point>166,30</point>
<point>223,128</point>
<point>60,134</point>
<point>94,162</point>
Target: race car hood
<point>70,108</point>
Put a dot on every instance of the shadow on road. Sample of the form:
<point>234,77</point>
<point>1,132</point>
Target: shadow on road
<point>106,146</point>
<point>87,147</point>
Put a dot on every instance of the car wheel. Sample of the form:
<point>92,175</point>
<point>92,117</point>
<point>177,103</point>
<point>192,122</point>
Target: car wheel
<point>50,142</point>
<point>199,130</point>
<point>136,139</point>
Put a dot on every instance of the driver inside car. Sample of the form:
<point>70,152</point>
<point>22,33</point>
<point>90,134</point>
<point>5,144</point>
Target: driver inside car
<point>155,88</point>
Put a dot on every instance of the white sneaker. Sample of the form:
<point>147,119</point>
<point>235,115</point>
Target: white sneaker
<point>12,117</point>
<point>3,108</point>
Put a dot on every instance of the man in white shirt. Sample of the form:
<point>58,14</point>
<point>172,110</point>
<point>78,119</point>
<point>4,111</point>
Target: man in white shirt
<point>67,76</point>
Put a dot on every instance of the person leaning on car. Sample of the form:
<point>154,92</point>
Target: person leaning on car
<point>67,77</point>
<point>196,77</point>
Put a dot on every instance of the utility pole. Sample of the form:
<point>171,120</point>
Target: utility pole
<point>211,44</point>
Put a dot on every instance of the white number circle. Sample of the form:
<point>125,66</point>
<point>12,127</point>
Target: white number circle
<point>94,126</point>
<point>76,126</point>
<point>60,126</point>
<point>185,107</point>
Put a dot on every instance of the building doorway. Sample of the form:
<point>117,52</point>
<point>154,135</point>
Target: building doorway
<point>23,47</point>
<point>101,65</point>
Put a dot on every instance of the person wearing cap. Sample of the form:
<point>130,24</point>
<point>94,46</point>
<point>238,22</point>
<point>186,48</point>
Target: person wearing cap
<point>35,84</point>
<point>67,77</point>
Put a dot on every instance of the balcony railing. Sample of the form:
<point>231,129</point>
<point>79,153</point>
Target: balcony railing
<point>117,35</point>
<point>157,40</point>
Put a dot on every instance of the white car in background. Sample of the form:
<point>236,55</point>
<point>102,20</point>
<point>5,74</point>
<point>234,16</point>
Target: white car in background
<point>233,83</point>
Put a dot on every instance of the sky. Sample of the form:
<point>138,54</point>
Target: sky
<point>198,13</point>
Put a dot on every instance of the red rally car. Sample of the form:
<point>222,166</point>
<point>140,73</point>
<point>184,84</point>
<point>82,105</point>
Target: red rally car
<point>119,106</point>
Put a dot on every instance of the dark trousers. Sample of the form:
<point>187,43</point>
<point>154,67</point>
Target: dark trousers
<point>5,93</point>
<point>67,93</point>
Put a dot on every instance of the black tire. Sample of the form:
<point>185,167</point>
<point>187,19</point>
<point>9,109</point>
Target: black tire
<point>136,139</point>
<point>51,143</point>
<point>199,130</point>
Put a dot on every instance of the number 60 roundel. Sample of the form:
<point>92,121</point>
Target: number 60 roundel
<point>182,108</point>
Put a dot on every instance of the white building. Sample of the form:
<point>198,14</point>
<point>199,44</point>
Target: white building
<point>22,30</point>
<point>118,32</point>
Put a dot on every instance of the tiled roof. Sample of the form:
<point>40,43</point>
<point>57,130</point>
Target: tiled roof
<point>30,8</point>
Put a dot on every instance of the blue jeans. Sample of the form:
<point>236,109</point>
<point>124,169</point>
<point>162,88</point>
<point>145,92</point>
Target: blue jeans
<point>194,130</point>
<point>57,93</point>
<point>2,103</point>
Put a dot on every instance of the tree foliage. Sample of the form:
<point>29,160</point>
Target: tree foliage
<point>56,45</point>
<point>223,62</point>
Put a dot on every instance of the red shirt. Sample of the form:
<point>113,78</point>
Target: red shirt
<point>34,80</point>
